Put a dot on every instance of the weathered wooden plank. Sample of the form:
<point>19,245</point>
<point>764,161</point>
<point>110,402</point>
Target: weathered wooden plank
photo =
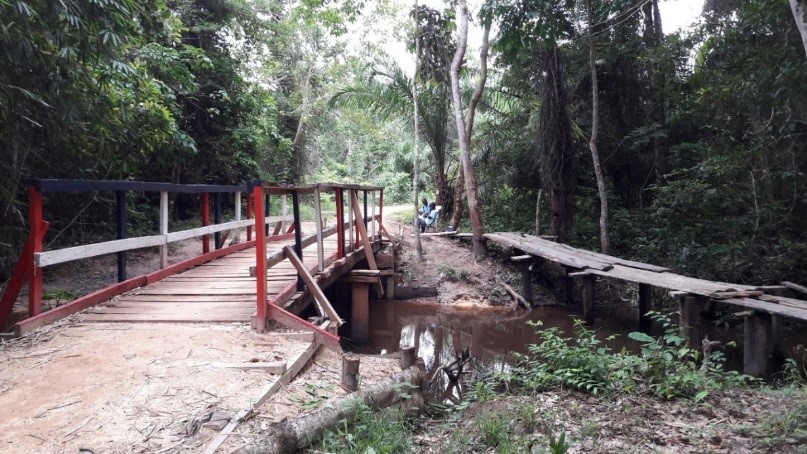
<point>796,287</point>
<point>770,308</point>
<point>201,299</point>
<point>43,259</point>
<point>542,250</point>
<point>792,302</point>
<point>168,318</point>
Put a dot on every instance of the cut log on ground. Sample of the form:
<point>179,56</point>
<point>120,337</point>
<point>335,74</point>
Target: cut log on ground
<point>296,434</point>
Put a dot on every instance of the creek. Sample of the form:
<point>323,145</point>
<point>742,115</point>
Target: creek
<point>493,334</point>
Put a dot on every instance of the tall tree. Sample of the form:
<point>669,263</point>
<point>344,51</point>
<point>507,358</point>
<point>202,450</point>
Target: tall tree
<point>605,239</point>
<point>415,162</point>
<point>465,124</point>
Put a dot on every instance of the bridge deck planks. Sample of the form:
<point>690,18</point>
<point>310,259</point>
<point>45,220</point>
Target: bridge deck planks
<point>642,273</point>
<point>217,291</point>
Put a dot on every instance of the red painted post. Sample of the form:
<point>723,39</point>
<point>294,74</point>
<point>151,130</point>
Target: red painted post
<point>250,200</point>
<point>260,257</point>
<point>205,221</point>
<point>35,276</point>
<point>380,207</point>
<point>340,233</point>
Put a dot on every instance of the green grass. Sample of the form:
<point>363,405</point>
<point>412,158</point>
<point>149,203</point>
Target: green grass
<point>370,432</point>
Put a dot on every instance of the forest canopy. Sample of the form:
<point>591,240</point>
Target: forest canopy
<point>702,134</point>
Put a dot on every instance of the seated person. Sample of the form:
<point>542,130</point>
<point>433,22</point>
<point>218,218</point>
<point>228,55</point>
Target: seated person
<point>428,219</point>
<point>424,210</point>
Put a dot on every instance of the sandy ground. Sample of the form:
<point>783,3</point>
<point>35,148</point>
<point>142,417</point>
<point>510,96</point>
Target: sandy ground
<point>144,387</point>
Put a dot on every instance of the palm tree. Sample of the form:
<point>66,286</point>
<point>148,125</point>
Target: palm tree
<point>388,94</point>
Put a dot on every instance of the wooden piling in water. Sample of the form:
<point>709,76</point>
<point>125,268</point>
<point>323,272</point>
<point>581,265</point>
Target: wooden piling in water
<point>757,344</point>
<point>645,306</point>
<point>588,286</point>
<point>360,312</point>
<point>690,319</point>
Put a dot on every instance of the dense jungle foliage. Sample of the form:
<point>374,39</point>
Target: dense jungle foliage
<point>702,136</point>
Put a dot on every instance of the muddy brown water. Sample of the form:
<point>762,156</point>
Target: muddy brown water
<point>494,334</point>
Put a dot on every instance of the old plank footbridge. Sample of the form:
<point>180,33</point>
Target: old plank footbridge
<point>766,305</point>
<point>278,272</point>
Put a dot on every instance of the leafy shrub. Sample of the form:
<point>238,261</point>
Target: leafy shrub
<point>670,367</point>
<point>666,366</point>
<point>581,362</point>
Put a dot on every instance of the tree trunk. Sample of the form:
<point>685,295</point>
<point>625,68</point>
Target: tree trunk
<point>464,128</point>
<point>415,163</point>
<point>557,147</point>
<point>298,433</point>
<point>538,211</point>
<point>605,240</point>
<point>799,8</point>
<point>459,188</point>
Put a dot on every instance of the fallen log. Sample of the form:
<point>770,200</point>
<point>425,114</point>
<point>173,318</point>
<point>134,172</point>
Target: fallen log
<point>296,434</point>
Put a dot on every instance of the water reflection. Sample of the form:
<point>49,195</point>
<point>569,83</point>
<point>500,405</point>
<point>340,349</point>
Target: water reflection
<point>440,332</point>
<point>494,334</point>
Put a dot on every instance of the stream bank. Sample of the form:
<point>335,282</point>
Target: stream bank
<point>489,416</point>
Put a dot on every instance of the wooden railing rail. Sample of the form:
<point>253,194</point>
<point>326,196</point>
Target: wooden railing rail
<point>38,259</point>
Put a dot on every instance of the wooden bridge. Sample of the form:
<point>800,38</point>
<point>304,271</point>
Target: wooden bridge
<point>765,306</point>
<point>271,277</point>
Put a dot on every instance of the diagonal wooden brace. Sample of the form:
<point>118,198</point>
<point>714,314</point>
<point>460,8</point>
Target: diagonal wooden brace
<point>323,304</point>
<point>368,249</point>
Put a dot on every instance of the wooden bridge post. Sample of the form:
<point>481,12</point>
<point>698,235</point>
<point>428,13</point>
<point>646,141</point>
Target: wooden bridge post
<point>35,221</point>
<point>360,312</point>
<point>298,236</point>
<point>364,214</point>
<point>569,284</point>
<point>690,319</point>
<point>260,257</point>
<point>318,222</point>
<point>163,228</point>
<point>237,203</point>
<point>340,223</point>
<point>588,288</point>
<point>284,211</point>
<point>645,306</point>
<point>372,216</point>
<point>757,344</point>
<point>778,350</point>
<point>205,221</point>
<point>217,219</point>
<point>381,206</point>
<point>249,214</point>
<point>120,211</point>
<point>524,263</point>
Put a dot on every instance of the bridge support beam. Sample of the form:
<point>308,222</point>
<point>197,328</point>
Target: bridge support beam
<point>757,344</point>
<point>645,306</point>
<point>690,319</point>
<point>360,312</point>
<point>588,286</point>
